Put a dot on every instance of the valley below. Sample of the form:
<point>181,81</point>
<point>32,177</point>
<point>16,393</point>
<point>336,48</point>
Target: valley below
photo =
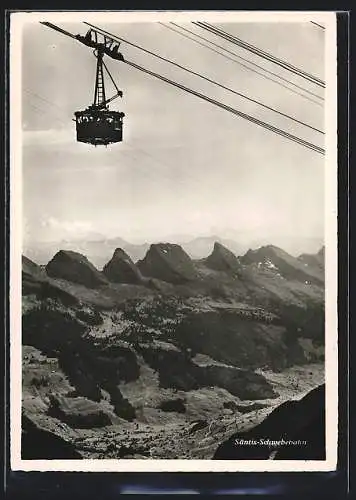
<point>166,357</point>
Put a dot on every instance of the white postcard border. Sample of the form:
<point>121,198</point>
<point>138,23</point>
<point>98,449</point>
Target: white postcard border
<point>17,20</point>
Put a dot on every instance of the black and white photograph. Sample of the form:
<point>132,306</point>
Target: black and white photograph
<point>173,241</point>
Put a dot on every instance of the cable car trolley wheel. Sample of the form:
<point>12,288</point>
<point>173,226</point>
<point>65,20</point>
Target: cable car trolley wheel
<point>99,126</point>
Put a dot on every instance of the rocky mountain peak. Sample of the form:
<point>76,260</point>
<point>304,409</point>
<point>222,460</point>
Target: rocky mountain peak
<point>222,259</point>
<point>275,259</point>
<point>121,268</point>
<point>167,262</point>
<point>75,267</point>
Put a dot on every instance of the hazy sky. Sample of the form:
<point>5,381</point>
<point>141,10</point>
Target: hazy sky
<point>185,166</point>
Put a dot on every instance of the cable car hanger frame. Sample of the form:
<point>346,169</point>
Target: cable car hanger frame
<point>97,125</point>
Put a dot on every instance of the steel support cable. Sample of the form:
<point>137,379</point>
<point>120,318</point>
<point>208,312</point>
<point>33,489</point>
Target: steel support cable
<point>57,28</point>
<point>53,112</point>
<point>118,91</point>
<point>44,113</point>
<point>244,65</point>
<point>250,118</point>
<point>317,24</point>
<point>210,80</point>
<point>61,109</point>
<point>270,57</point>
<point>261,53</point>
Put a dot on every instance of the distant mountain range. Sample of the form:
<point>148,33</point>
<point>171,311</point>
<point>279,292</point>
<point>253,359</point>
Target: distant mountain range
<point>99,250</point>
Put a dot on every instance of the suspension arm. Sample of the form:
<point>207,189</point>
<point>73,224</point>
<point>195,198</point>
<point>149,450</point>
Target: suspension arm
<point>114,54</point>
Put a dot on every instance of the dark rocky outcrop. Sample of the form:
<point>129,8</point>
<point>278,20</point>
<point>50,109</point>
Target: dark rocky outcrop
<point>175,405</point>
<point>247,408</point>
<point>78,413</point>
<point>121,269</point>
<point>168,262</point>
<point>40,444</point>
<point>244,384</point>
<point>302,420</point>
<point>75,267</point>
<point>222,259</point>
<point>198,425</point>
<point>229,338</point>
<point>91,317</point>
<point>89,367</point>
<point>176,370</point>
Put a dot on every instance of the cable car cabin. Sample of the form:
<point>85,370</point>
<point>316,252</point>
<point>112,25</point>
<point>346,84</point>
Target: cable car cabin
<point>99,127</point>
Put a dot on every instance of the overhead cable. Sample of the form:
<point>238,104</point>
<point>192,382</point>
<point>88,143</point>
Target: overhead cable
<point>317,24</point>
<point>255,50</point>
<point>244,65</point>
<point>250,118</point>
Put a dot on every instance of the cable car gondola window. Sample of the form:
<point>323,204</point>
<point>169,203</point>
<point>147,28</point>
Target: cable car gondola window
<point>99,127</point>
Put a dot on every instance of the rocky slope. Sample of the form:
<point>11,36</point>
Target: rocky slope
<point>149,360</point>
<point>289,267</point>
<point>31,269</point>
<point>316,261</point>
